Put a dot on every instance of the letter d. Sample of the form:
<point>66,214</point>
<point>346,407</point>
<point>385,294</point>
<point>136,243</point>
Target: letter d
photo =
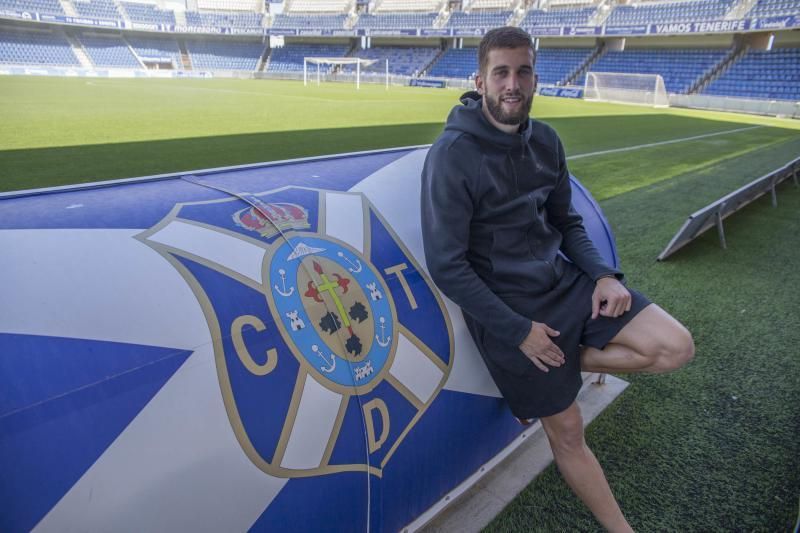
<point>369,408</point>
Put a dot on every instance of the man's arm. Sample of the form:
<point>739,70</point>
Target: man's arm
<point>447,209</point>
<point>610,297</point>
<point>575,242</point>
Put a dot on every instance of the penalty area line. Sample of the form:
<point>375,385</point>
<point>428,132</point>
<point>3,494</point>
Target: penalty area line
<point>660,143</point>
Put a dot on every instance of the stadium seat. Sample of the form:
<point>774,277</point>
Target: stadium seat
<point>108,51</point>
<point>35,48</point>
<point>224,54</point>
<point>761,74</point>
<point>679,67</point>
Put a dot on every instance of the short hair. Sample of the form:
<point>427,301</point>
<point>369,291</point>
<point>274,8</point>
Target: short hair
<point>503,37</point>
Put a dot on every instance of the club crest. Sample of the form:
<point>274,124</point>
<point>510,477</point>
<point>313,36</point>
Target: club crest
<point>324,327</point>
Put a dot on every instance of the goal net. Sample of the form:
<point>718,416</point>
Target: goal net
<point>328,63</point>
<point>643,89</point>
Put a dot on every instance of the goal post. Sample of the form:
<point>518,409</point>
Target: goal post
<point>333,61</point>
<point>642,89</point>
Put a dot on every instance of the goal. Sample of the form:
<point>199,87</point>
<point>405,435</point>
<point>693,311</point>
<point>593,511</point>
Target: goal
<point>643,89</point>
<point>333,61</point>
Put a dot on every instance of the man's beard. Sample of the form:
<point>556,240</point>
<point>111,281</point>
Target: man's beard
<point>495,107</point>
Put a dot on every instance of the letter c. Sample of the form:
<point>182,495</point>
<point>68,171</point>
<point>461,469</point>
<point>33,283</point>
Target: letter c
<point>242,351</point>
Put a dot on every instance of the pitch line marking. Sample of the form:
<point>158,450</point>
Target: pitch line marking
<point>660,143</point>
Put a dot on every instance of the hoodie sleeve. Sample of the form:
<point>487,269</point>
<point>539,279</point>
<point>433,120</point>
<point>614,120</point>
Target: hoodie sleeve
<point>448,184</point>
<point>576,243</point>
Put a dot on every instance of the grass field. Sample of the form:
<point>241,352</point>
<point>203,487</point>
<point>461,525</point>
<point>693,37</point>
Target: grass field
<point>713,447</point>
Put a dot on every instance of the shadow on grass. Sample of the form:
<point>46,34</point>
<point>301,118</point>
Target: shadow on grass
<point>46,167</point>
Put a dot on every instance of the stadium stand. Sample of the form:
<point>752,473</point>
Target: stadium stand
<point>309,20</point>
<point>456,63</point>
<point>148,13</point>
<point>98,9</point>
<point>290,57</point>
<point>659,13</point>
<point>396,20</point>
<point>564,16</point>
<point>313,14</point>
<point>108,51</point>
<point>224,19</point>
<point>394,6</point>
<point>478,19</point>
<point>684,68</point>
<point>775,8</point>
<point>35,48</point>
<point>229,5</point>
<point>224,54</point>
<point>51,7</point>
<point>680,67</point>
<point>156,49</point>
<point>554,65</point>
<point>760,74</point>
<point>323,6</point>
<point>573,3</point>
<point>502,5</point>
<point>403,61</point>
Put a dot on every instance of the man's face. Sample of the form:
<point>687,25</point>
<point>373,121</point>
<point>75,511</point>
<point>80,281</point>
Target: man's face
<point>507,86</point>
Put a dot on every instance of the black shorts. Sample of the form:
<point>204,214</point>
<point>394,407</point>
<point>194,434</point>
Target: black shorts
<point>567,308</point>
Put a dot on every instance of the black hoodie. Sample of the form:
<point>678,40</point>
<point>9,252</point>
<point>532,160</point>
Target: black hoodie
<point>496,210</point>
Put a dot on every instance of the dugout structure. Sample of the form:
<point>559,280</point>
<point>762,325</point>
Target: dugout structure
<point>334,61</point>
<point>239,367</point>
<point>626,88</point>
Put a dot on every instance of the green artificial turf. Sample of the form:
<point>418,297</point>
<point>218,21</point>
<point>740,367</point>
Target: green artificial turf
<point>712,447</point>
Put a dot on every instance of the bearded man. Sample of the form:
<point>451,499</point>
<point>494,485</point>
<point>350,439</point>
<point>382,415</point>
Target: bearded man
<point>496,212</point>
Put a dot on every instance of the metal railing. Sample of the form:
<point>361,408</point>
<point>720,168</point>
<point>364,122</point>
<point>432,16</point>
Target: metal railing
<point>714,213</point>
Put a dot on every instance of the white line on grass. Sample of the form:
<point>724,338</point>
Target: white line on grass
<point>671,141</point>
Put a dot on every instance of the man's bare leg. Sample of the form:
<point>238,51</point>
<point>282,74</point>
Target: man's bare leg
<point>580,468</point>
<point>652,342</point>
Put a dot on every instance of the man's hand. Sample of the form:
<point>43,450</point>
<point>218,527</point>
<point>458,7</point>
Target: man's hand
<point>610,298</point>
<point>538,347</point>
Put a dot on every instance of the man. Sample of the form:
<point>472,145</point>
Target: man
<point>496,210</point>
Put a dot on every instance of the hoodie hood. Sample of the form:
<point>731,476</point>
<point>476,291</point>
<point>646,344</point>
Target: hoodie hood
<point>469,118</point>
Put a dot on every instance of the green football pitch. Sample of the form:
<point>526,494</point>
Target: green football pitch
<point>712,447</point>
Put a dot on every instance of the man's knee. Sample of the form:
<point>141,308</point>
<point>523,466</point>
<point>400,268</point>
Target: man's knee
<point>673,351</point>
<point>565,430</point>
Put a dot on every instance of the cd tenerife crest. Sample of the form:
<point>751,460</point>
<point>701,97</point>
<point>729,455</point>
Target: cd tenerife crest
<point>330,342</point>
<point>197,359</point>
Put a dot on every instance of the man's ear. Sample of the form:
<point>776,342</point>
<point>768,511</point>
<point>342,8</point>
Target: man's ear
<point>535,82</point>
<point>479,83</point>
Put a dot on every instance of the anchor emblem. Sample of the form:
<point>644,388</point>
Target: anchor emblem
<point>283,292</point>
<point>355,268</point>
<point>331,364</point>
<point>383,340</point>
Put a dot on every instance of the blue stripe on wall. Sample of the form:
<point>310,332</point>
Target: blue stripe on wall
<point>64,402</point>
